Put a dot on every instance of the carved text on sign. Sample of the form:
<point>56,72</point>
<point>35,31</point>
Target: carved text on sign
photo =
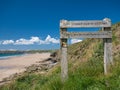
<point>88,23</point>
<point>103,34</point>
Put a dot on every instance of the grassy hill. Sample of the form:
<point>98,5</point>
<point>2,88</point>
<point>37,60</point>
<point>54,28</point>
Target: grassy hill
<point>85,69</point>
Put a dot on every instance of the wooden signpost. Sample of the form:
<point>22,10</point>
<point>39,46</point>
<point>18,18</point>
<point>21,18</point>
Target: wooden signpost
<point>106,35</point>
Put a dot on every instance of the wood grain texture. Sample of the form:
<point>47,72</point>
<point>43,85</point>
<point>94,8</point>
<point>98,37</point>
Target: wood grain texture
<point>84,24</point>
<point>64,64</point>
<point>108,59</point>
<point>86,34</point>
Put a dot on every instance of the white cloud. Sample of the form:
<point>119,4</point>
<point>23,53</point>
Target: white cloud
<point>75,41</point>
<point>5,42</point>
<point>32,40</point>
<point>51,40</point>
<point>23,41</point>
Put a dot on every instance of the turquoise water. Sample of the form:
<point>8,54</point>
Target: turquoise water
<point>8,55</point>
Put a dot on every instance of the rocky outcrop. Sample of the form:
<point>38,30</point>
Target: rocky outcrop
<point>44,65</point>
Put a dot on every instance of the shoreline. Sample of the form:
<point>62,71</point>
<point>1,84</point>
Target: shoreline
<point>17,64</point>
<point>10,56</point>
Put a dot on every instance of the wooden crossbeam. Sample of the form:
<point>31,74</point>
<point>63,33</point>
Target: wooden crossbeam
<point>103,34</point>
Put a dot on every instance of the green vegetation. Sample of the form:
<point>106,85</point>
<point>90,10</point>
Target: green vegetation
<point>85,69</point>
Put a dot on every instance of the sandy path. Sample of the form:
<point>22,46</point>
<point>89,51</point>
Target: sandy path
<point>17,64</point>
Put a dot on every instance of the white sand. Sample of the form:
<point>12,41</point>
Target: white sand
<point>17,64</point>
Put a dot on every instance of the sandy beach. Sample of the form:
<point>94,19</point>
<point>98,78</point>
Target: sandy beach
<point>17,64</point>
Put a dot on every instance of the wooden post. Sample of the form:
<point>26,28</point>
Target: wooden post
<point>108,60</point>
<point>64,63</point>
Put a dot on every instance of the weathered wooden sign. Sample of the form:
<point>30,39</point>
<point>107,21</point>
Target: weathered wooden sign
<point>82,24</point>
<point>106,35</point>
<point>103,34</point>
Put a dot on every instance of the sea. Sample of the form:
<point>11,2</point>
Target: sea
<point>8,55</point>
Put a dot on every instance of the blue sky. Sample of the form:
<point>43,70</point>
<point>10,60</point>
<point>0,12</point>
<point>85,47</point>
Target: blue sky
<point>34,24</point>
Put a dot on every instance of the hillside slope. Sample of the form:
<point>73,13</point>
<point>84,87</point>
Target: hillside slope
<point>85,69</point>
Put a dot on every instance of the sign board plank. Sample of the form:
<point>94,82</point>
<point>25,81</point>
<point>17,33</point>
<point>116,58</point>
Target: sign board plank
<point>102,34</point>
<point>84,24</point>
